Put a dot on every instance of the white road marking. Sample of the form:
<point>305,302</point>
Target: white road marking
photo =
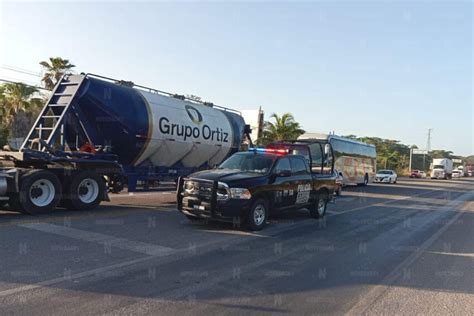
<point>107,240</point>
<point>408,197</point>
<point>376,292</point>
<point>460,254</point>
<point>178,254</point>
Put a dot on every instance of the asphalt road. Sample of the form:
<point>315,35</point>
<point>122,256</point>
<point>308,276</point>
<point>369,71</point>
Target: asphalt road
<point>383,249</point>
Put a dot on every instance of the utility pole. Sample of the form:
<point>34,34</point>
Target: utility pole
<point>428,147</point>
<point>411,155</point>
<point>428,143</point>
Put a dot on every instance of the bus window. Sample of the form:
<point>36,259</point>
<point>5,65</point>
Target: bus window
<point>303,151</point>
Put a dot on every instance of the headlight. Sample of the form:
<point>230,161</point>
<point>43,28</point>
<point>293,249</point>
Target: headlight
<point>240,193</point>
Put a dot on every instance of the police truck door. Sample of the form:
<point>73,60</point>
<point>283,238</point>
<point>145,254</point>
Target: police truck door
<point>301,181</point>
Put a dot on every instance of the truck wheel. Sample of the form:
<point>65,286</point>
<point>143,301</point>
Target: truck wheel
<point>318,210</point>
<point>40,192</point>
<point>257,216</point>
<point>84,192</point>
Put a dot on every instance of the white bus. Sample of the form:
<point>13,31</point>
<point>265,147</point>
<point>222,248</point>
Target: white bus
<point>357,161</point>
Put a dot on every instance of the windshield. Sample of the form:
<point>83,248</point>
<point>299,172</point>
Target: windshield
<point>249,162</point>
<point>438,167</point>
<point>384,172</point>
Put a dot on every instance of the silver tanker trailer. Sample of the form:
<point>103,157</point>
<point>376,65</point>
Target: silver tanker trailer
<point>96,134</point>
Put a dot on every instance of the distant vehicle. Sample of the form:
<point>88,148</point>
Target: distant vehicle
<point>355,160</point>
<point>469,170</point>
<point>386,176</point>
<point>246,187</point>
<point>415,174</point>
<point>457,174</point>
<point>418,174</point>
<point>459,164</point>
<point>441,168</point>
<point>339,182</point>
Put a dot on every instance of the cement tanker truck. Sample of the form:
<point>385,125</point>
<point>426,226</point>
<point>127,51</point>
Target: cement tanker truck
<point>96,134</point>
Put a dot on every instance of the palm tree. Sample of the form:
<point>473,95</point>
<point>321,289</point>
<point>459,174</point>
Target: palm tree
<point>18,107</point>
<point>283,128</point>
<point>54,69</point>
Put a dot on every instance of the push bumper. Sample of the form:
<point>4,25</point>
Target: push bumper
<point>227,211</point>
<point>210,207</point>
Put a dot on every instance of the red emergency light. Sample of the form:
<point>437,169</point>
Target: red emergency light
<point>277,151</point>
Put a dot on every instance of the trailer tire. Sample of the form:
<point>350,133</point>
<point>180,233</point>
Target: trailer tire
<point>40,192</point>
<point>84,192</point>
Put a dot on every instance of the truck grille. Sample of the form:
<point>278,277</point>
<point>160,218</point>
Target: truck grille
<point>203,190</point>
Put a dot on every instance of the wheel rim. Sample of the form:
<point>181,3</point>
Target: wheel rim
<point>42,192</point>
<point>321,206</point>
<point>259,215</point>
<point>88,190</point>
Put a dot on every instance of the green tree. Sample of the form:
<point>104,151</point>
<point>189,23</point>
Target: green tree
<point>441,154</point>
<point>282,128</point>
<point>18,108</point>
<point>17,97</point>
<point>54,70</point>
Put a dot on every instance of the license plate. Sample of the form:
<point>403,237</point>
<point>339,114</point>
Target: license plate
<point>199,207</point>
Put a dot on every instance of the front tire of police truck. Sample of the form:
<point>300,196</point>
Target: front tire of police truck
<point>40,192</point>
<point>257,216</point>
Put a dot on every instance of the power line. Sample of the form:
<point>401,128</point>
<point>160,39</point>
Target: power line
<point>20,70</point>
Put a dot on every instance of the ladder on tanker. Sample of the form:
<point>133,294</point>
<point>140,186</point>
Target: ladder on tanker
<point>50,121</point>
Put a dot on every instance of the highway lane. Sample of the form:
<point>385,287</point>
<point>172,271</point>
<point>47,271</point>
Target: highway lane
<point>382,249</point>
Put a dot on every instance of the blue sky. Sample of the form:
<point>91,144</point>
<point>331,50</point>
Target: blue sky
<point>387,69</point>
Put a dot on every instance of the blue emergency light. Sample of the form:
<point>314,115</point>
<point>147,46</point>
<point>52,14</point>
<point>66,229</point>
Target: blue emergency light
<point>269,150</point>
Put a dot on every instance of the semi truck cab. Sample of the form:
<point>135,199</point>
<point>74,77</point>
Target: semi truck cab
<point>248,186</point>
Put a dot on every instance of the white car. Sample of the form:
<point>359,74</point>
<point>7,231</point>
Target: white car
<point>456,174</point>
<point>386,176</point>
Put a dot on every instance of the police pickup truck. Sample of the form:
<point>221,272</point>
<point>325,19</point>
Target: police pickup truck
<point>247,186</point>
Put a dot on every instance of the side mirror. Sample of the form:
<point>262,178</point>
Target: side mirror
<point>340,173</point>
<point>327,149</point>
<point>284,173</point>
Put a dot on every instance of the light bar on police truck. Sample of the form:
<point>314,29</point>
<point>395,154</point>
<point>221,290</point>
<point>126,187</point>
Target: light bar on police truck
<point>270,150</point>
